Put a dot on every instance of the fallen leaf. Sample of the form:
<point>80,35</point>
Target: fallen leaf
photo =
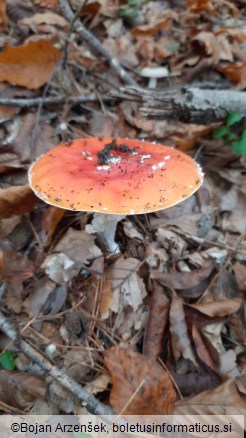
<point>128,288</point>
<point>14,265</point>
<point>240,273</point>
<point>97,385</point>
<point>79,246</point>
<point>105,299</point>
<point>59,268</point>
<point>223,400</point>
<point>152,28</point>
<point>219,308</point>
<point>16,200</point>
<point>30,65</point>
<point>200,6</point>
<point>139,380</point>
<point>197,280</point>
<point>201,348</point>
<point>236,72</point>
<point>49,4</point>
<point>181,344</point>
<point>215,46</point>
<point>3,16</point>
<point>45,18</point>
<point>20,390</point>
<point>50,219</point>
<point>157,322</point>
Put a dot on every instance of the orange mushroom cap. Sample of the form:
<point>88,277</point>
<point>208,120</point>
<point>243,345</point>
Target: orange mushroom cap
<point>146,177</point>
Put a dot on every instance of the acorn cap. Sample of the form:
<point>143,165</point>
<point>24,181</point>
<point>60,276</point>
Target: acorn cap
<point>131,176</point>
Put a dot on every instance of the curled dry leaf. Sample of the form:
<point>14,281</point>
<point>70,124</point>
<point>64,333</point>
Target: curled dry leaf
<point>16,200</point>
<point>157,322</point>
<point>201,347</point>
<point>215,46</point>
<point>181,344</point>
<point>29,65</point>
<point>223,400</point>
<point>235,72</point>
<point>219,308</point>
<point>140,385</point>
<point>45,18</point>
<point>197,281</point>
<point>21,390</point>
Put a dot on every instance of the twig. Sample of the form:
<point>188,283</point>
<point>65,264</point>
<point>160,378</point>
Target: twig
<point>93,405</point>
<point>70,30</point>
<point>35,101</point>
<point>96,44</point>
<point>38,113</point>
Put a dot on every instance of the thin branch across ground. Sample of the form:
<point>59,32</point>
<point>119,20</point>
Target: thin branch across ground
<point>93,405</point>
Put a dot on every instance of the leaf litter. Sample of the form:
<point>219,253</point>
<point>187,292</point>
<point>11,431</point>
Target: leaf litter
<point>176,294</point>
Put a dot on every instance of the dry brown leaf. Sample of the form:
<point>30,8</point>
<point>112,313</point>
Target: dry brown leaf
<point>236,72</point>
<point>97,385</point>
<point>16,200</point>
<point>3,16</point>
<point>240,273</point>
<point>216,46</point>
<point>201,348</point>
<point>50,219</point>
<point>139,380</point>
<point>79,246</point>
<point>152,28</point>
<point>157,322</point>
<point>21,390</point>
<point>128,287</point>
<point>181,344</point>
<point>200,6</point>
<point>223,400</point>
<point>14,265</point>
<point>188,284</point>
<point>49,4</point>
<point>29,65</point>
<point>105,299</point>
<point>219,308</point>
<point>45,18</point>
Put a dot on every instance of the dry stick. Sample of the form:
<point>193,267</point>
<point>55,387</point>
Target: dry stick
<point>96,44</point>
<point>35,101</point>
<point>93,405</point>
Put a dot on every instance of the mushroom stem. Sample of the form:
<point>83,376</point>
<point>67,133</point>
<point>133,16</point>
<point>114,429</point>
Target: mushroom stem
<point>105,227</point>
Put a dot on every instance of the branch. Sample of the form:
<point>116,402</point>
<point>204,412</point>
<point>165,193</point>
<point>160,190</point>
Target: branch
<point>96,44</point>
<point>186,104</point>
<point>35,101</point>
<point>93,405</point>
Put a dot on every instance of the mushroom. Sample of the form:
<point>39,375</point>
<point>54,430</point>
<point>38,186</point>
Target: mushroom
<point>154,73</point>
<point>113,178</point>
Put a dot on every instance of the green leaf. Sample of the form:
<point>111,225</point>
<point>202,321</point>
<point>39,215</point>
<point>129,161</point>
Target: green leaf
<point>128,12</point>
<point>239,147</point>
<point>233,118</point>
<point>231,137</point>
<point>221,132</point>
<point>7,360</point>
<point>133,2</point>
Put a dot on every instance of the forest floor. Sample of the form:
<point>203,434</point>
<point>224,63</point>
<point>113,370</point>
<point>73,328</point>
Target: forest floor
<point>160,326</point>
